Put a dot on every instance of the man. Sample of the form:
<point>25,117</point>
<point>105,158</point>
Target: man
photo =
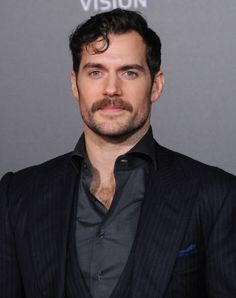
<point>120,216</point>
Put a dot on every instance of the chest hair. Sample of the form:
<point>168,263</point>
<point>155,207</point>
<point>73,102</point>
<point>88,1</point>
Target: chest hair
<point>103,189</point>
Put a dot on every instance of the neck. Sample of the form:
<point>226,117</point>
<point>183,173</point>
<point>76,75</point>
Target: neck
<point>103,152</point>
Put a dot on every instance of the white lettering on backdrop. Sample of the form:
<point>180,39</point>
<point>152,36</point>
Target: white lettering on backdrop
<point>112,4</point>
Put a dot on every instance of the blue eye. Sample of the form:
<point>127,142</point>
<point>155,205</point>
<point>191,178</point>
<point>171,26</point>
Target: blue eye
<point>131,74</point>
<point>95,73</point>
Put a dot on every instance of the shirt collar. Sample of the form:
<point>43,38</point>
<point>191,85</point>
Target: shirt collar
<point>145,147</point>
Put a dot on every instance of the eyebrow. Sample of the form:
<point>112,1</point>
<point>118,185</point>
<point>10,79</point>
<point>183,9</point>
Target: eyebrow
<point>93,65</point>
<point>122,68</point>
<point>132,66</point>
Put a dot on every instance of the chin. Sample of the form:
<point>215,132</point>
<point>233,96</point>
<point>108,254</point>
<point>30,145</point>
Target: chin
<point>117,133</point>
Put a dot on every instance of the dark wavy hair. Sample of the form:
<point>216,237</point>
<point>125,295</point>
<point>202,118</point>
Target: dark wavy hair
<point>116,21</point>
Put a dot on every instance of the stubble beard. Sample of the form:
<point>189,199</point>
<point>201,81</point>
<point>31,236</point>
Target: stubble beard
<point>115,130</point>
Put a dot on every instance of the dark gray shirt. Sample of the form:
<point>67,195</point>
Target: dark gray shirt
<point>104,237</point>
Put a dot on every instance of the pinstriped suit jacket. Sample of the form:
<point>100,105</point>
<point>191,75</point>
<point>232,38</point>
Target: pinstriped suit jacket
<point>185,245</point>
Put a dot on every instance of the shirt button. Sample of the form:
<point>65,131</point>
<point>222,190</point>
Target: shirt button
<point>101,234</point>
<point>99,275</point>
<point>123,163</point>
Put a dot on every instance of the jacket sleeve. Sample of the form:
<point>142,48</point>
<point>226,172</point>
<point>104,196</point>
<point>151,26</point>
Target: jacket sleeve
<point>10,279</point>
<point>221,247</point>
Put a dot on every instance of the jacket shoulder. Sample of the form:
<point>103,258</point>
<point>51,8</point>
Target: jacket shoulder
<point>46,167</point>
<point>35,177</point>
<point>192,169</point>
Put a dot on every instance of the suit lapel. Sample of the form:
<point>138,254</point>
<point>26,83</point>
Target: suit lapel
<point>166,211</point>
<point>49,222</point>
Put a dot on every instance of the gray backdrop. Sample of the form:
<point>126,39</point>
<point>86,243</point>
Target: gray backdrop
<point>196,114</point>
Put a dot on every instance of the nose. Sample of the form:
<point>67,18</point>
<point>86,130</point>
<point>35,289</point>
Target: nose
<point>112,86</point>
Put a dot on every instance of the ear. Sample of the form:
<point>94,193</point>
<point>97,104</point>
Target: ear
<point>157,86</point>
<point>74,88</point>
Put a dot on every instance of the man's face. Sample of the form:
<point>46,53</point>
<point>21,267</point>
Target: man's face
<point>114,88</point>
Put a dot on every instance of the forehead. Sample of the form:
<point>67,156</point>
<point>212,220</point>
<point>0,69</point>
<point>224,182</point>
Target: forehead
<point>128,47</point>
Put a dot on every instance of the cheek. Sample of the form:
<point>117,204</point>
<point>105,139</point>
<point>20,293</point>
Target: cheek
<point>139,97</point>
<point>86,96</point>
<point>139,89</point>
<point>89,92</point>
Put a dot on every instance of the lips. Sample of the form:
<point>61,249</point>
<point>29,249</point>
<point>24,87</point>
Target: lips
<point>112,107</point>
<point>112,110</point>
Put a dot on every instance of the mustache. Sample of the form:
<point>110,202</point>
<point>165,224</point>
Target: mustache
<point>116,102</point>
